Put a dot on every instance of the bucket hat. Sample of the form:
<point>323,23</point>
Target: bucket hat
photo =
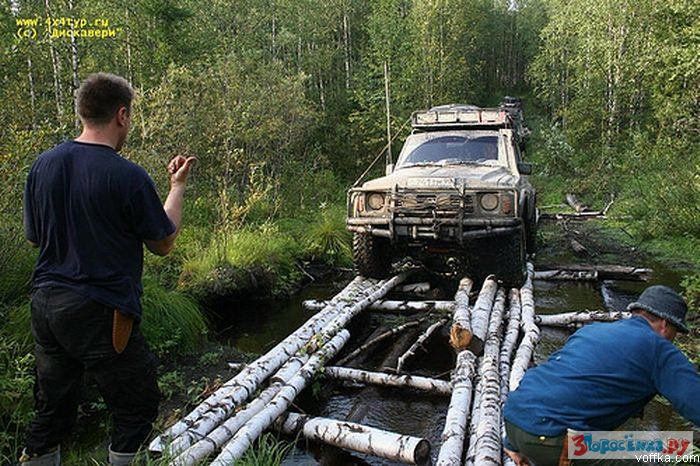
<point>663,302</point>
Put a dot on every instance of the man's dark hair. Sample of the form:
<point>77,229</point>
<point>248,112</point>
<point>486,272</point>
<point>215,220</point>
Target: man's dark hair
<point>100,96</point>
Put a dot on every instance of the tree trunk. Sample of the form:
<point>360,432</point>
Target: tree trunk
<point>569,319</point>
<point>392,306</point>
<point>530,329</point>
<point>74,65</point>
<point>425,384</point>
<point>251,430</point>
<point>461,331</point>
<point>481,314</point>
<point>487,448</point>
<point>56,66</point>
<point>422,339</point>
<point>567,275</point>
<point>604,272</point>
<point>356,296</point>
<point>458,412</point>
<point>359,438</point>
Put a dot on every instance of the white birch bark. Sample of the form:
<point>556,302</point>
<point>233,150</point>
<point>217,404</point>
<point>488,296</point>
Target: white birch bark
<point>359,438</point>
<point>248,433</point>
<point>487,448</point>
<point>510,339</point>
<point>424,337</point>
<point>458,412</point>
<point>357,295</point>
<point>569,319</point>
<point>426,384</point>
<point>230,426</point>
<point>531,332</point>
<point>392,306</point>
<point>461,331</point>
<point>567,275</point>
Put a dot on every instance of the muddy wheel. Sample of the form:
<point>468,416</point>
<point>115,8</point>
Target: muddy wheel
<point>530,223</point>
<point>371,255</point>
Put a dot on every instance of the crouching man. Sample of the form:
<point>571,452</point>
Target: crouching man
<point>604,374</point>
<point>90,211</point>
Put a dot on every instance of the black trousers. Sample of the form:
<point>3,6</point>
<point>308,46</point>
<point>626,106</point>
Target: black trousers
<point>73,334</point>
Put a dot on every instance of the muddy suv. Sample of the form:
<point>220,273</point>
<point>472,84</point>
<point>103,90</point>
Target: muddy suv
<point>458,198</point>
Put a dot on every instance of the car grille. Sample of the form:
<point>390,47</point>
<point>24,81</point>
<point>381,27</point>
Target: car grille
<point>447,204</point>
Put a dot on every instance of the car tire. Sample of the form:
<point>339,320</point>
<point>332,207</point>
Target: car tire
<point>530,225</point>
<point>371,255</point>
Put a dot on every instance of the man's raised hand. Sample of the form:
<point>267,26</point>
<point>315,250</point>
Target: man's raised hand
<point>179,168</point>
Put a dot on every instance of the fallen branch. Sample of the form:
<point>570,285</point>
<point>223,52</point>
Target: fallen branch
<point>568,319</point>
<point>422,287</point>
<point>388,334</point>
<point>251,430</point>
<point>461,331</point>
<point>425,384</point>
<point>392,306</point>
<point>422,339</point>
<point>575,204</point>
<point>510,339</point>
<point>358,438</point>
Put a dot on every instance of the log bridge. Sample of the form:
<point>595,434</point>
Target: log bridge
<point>494,337</point>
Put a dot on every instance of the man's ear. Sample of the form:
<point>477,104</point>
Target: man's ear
<point>122,116</point>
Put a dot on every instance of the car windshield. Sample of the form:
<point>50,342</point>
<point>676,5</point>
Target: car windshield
<point>449,149</point>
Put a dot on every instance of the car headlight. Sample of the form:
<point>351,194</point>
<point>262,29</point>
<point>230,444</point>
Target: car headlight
<point>375,201</point>
<point>489,201</point>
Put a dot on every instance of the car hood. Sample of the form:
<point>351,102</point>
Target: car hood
<point>467,176</point>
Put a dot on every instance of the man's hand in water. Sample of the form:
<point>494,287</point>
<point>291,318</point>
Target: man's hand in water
<point>179,168</point>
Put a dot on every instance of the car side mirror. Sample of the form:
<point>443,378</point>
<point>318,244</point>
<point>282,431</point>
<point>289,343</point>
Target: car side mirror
<point>389,169</point>
<point>525,168</point>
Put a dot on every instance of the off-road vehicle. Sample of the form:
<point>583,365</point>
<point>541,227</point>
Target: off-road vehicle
<point>457,198</point>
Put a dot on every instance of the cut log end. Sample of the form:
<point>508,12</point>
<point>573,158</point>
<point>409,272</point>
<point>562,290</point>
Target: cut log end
<point>421,454</point>
<point>460,338</point>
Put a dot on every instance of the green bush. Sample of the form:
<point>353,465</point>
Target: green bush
<point>327,239</point>
<point>172,322</point>
<point>259,258</point>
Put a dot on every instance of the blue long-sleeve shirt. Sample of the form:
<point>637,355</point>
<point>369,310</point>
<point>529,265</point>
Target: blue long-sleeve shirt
<point>603,375</point>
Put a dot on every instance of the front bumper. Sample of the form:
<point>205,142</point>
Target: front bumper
<point>446,229</point>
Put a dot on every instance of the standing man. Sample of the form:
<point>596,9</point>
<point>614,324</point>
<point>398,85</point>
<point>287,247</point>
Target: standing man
<point>90,211</point>
<point>604,374</point>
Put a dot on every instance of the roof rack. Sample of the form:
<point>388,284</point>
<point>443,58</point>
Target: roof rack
<point>460,116</point>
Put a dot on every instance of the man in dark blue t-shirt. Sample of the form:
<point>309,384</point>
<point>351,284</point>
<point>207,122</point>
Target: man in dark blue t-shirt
<point>90,211</point>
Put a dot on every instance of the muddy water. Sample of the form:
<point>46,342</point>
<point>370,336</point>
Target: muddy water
<point>258,327</point>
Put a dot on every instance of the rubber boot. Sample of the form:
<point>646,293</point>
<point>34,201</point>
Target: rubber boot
<point>120,459</point>
<point>52,458</point>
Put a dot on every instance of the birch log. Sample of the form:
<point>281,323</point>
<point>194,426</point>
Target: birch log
<point>510,339</point>
<point>568,319</point>
<point>351,300</point>
<point>530,329</point>
<point>359,438</point>
<point>422,339</point>
<point>230,426</point>
<point>461,331</point>
<point>392,306</point>
<point>379,338</point>
<point>604,271</point>
<point>481,313</point>
<point>425,384</point>
<point>458,412</point>
<point>567,275</point>
<point>487,449</point>
<point>248,433</point>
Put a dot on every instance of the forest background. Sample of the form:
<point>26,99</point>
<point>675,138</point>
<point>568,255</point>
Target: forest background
<point>283,102</point>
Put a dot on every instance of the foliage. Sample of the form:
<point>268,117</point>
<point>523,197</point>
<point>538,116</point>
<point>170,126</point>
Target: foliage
<point>328,239</point>
<point>268,451</point>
